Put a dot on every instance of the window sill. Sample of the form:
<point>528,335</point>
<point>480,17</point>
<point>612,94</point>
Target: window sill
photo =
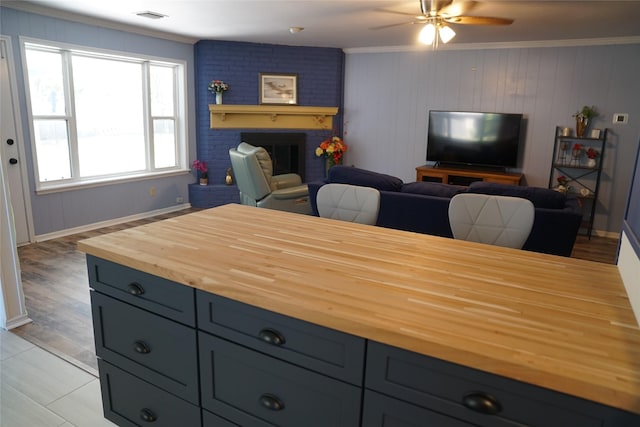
<point>92,183</point>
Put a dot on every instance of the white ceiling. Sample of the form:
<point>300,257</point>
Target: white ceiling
<point>350,24</point>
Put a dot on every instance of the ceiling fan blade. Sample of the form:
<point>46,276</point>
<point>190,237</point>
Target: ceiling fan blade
<point>413,15</point>
<point>458,8</point>
<point>382,27</point>
<point>478,20</point>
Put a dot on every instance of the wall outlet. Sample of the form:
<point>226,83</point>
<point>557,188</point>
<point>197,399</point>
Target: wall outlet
<point>620,118</point>
<point>179,199</point>
<point>152,191</point>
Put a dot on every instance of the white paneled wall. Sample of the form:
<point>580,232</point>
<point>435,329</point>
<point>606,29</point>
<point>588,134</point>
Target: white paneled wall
<point>388,96</point>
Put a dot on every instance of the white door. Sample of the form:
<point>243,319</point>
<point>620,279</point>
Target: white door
<point>10,151</point>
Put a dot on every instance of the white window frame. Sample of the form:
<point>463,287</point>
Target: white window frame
<point>180,117</point>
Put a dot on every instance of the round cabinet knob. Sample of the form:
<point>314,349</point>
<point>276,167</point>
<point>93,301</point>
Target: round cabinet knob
<point>271,402</point>
<point>135,289</point>
<point>482,402</point>
<point>147,415</point>
<point>10,141</point>
<point>13,161</point>
<point>272,336</point>
<point>141,347</point>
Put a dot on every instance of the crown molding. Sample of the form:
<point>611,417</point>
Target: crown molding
<point>88,20</point>
<point>499,45</point>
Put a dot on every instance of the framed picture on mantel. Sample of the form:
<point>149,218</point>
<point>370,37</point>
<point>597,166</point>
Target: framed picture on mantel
<point>278,88</point>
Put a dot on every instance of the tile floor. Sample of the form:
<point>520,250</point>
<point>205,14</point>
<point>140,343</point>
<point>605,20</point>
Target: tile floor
<point>38,389</point>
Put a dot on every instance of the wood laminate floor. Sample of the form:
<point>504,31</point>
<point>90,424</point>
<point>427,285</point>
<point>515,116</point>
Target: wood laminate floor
<point>56,290</point>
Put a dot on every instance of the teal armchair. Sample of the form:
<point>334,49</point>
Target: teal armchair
<point>253,171</point>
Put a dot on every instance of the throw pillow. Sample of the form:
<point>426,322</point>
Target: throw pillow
<point>540,197</point>
<point>437,189</point>
<point>365,178</point>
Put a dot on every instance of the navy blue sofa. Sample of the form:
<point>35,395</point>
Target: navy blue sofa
<point>422,207</point>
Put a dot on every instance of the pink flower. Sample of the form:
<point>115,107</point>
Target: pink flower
<point>200,166</point>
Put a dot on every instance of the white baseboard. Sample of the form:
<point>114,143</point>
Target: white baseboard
<point>110,222</point>
<point>17,321</point>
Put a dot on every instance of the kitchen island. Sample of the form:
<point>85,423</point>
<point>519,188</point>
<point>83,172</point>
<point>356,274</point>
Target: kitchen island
<point>381,324</point>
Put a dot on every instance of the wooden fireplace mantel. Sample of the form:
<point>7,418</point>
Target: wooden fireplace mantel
<point>225,116</point>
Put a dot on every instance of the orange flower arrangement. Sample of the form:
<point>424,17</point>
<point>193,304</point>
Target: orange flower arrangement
<point>332,148</point>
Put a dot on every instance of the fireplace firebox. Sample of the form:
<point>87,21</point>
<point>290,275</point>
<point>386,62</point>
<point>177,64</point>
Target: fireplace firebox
<point>287,150</point>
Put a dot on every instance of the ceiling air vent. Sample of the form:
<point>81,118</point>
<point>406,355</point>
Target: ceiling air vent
<point>151,15</point>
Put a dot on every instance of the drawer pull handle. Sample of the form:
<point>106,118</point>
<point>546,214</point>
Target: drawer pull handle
<point>135,289</point>
<point>148,415</point>
<point>482,402</point>
<point>141,347</point>
<point>272,336</point>
<point>271,402</point>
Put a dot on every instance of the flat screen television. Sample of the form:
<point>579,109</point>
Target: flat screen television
<point>465,138</point>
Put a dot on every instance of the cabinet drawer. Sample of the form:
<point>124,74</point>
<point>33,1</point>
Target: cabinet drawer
<point>129,401</point>
<point>156,349</point>
<point>320,349</point>
<point>383,411</point>
<point>252,389</point>
<point>443,387</point>
<point>161,296</point>
<point>212,420</point>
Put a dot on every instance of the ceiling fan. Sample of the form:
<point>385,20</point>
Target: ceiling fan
<point>436,14</point>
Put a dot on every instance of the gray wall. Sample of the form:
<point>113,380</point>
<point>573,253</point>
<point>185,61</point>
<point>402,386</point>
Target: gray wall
<point>75,208</point>
<point>388,95</point>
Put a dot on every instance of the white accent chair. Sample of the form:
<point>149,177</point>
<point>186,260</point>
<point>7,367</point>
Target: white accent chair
<point>253,171</point>
<point>349,203</point>
<point>496,220</point>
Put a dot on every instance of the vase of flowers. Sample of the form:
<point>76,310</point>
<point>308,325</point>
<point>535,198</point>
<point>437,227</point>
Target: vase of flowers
<point>582,119</point>
<point>201,169</point>
<point>592,155</point>
<point>218,87</point>
<point>332,149</point>
<point>563,182</point>
<point>575,153</point>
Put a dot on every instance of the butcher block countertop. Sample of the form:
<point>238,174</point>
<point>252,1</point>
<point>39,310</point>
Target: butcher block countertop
<point>559,323</point>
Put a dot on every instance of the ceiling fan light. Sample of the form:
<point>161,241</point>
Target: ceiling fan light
<point>446,33</point>
<point>427,34</point>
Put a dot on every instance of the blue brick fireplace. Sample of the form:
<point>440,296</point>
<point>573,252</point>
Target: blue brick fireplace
<point>320,74</point>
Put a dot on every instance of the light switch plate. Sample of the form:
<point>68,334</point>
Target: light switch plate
<point>620,118</point>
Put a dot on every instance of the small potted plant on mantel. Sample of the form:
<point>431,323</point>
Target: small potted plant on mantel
<point>582,119</point>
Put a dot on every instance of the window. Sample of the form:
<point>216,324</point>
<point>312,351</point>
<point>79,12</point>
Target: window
<point>99,117</point>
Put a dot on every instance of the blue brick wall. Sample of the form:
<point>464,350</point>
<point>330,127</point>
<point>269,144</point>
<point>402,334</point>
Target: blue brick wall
<point>209,196</point>
<point>320,83</point>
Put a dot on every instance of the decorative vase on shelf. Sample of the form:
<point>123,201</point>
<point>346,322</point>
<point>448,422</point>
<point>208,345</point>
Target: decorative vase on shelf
<point>204,181</point>
<point>329,162</point>
<point>575,157</point>
<point>563,152</point>
<point>581,126</point>
<point>218,98</point>
<point>591,163</point>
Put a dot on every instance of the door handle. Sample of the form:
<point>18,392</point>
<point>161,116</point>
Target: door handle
<point>13,161</point>
<point>10,141</point>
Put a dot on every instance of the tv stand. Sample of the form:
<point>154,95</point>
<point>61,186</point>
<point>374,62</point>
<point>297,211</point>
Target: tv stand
<point>464,176</point>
